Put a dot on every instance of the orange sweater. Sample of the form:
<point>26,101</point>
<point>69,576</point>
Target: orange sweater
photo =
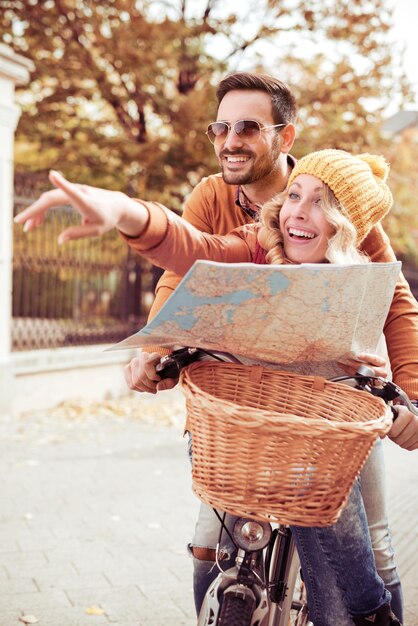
<point>188,244</point>
<point>211,209</point>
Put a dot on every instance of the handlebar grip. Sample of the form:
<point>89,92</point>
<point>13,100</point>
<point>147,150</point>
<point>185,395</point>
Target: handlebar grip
<point>395,413</point>
<point>168,369</point>
<point>171,365</point>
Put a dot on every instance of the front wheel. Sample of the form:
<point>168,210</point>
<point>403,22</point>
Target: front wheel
<point>299,609</point>
<point>237,608</point>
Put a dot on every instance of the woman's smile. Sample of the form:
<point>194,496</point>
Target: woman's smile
<point>299,234</point>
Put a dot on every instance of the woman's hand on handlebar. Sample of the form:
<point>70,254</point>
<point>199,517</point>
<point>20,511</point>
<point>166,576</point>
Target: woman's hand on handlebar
<point>141,375</point>
<point>376,362</point>
<point>404,431</point>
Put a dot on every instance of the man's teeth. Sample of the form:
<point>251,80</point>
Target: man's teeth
<point>236,159</point>
<point>301,233</point>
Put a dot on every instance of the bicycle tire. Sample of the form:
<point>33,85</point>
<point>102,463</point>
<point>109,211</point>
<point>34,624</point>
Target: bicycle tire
<point>237,607</point>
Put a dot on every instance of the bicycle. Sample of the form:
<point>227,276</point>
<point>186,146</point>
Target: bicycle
<point>265,586</point>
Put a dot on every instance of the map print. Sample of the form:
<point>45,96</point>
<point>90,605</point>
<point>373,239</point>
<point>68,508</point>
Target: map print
<point>298,317</point>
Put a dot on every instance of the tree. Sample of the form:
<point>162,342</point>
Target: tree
<point>110,98</point>
<point>402,222</point>
<point>124,88</point>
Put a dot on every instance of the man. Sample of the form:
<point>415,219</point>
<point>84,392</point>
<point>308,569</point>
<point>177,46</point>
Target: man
<point>255,166</point>
<point>253,172</point>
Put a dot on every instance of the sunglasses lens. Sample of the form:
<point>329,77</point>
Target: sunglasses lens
<point>247,129</point>
<point>217,131</point>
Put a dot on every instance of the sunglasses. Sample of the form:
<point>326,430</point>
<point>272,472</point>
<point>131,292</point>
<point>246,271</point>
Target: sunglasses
<point>248,130</point>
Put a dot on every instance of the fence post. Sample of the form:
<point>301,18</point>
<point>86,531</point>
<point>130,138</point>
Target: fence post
<point>14,70</point>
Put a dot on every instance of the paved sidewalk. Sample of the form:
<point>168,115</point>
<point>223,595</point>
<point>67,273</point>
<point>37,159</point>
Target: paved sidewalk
<point>96,511</point>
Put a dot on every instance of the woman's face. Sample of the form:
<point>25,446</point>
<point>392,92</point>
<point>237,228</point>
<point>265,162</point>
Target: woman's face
<point>302,222</point>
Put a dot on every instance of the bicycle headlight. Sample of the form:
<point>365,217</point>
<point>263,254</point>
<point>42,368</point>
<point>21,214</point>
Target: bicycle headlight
<point>251,535</point>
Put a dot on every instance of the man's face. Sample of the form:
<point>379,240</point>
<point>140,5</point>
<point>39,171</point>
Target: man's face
<point>244,163</point>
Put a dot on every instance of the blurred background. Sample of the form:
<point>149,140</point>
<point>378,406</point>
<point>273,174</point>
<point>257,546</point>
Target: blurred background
<point>120,94</point>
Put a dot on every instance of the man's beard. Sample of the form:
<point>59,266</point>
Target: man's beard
<point>263,168</point>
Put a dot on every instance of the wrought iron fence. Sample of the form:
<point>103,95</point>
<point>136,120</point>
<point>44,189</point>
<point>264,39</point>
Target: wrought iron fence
<point>86,292</point>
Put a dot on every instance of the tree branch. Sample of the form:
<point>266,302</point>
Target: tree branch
<point>136,130</point>
<point>208,9</point>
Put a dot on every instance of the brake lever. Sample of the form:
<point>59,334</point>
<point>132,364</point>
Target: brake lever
<point>388,390</point>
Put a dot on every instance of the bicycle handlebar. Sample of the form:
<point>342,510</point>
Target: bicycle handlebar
<point>171,365</point>
<point>380,387</point>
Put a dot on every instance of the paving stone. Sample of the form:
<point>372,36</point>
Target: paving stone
<point>98,511</point>
<point>128,594</point>
<point>9,617</point>
<point>37,569</point>
<point>55,578</point>
<point>17,586</point>
<point>23,559</point>
<point>30,603</point>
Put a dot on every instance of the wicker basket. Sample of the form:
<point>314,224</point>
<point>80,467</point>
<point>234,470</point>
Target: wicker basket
<point>276,446</point>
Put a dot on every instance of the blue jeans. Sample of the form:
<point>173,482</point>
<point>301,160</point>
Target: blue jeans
<point>373,491</point>
<point>337,561</point>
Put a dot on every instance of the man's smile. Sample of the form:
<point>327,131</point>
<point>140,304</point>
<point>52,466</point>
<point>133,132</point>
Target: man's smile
<point>235,159</point>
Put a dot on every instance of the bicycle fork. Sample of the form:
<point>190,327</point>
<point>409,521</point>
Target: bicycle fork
<point>259,589</point>
<point>288,599</point>
<point>238,596</point>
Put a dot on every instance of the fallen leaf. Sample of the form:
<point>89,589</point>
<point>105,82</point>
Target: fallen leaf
<point>160,410</point>
<point>94,610</point>
<point>28,619</point>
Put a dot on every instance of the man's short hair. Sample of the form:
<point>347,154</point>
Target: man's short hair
<point>283,102</point>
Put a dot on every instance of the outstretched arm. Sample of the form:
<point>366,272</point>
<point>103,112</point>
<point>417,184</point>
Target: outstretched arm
<point>151,229</point>
<point>101,210</point>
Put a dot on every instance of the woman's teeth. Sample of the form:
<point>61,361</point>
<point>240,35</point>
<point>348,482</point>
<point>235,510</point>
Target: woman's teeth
<point>301,233</point>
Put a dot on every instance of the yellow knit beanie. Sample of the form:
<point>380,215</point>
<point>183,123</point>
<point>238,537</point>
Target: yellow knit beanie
<point>358,183</point>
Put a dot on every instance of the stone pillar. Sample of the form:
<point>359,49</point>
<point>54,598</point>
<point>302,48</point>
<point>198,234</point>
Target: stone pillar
<point>14,70</point>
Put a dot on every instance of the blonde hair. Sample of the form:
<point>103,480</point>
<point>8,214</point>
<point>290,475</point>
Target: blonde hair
<point>341,246</point>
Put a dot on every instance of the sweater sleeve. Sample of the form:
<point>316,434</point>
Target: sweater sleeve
<point>401,326</point>
<point>172,243</point>
<point>195,211</point>
<point>211,209</point>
